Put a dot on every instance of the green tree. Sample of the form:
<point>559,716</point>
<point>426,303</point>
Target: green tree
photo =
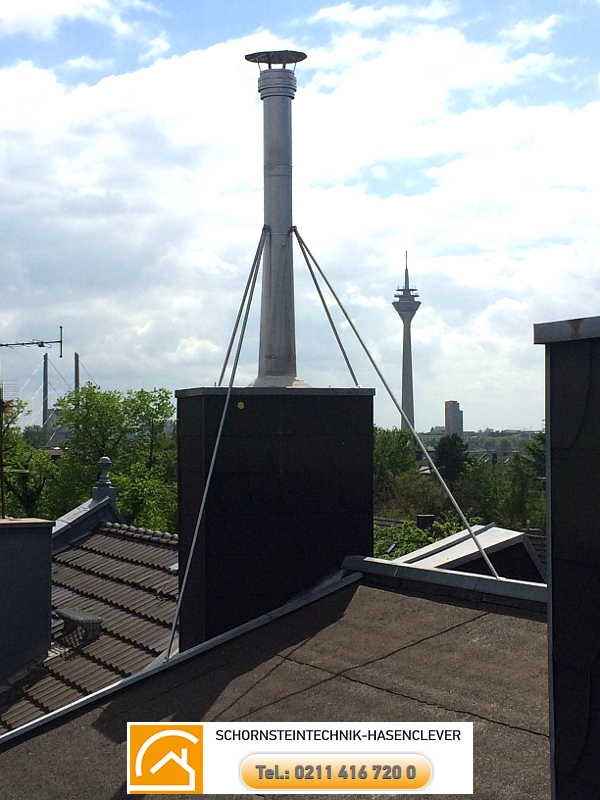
<point>535,453</point>
<point>11,433</point>
<point>147,414</point>
<point>483,489</point>
<point>145,498</point>
<point>406,534</point>
<point>96,426</point>
<point>26,477</point>
<point>527,470</point>
<point>131,430</point>
<point>394,450</point>
<point>508,494</point>
<point>409,537</point>
<point>35,435</point>
<point>26,469</point>
<point>393,455</point>
<point>498,444</point>
<point>96,422</point>
<point>71,484</point>
<point>451,455</point>
<point>417,493</point>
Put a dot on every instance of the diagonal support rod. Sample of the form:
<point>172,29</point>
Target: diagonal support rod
<point>331,322</point>
<point>261,245</point>
<point>249,293</point>
<point>403,415</point>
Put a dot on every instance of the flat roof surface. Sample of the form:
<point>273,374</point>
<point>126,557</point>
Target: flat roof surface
<point>357,654</point>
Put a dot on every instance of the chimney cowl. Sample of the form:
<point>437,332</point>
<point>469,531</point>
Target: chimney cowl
<point>277,83</point>
<point>271,57</point>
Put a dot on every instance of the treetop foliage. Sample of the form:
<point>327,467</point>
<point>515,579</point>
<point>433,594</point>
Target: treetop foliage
<point>393,450</point>
<point>393,455</point>
<point>409,537</point>
<point>451,454</point>
<point>130,428</point>
<point>510,494</point>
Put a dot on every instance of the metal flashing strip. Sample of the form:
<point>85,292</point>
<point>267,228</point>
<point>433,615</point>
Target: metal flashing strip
<point>288,608</point>
<point>566,330</point>
<point>453,579</point>
<point>81,522</point>
<point>275,390</point>
<point>457,551</point>
<point>443,544</point>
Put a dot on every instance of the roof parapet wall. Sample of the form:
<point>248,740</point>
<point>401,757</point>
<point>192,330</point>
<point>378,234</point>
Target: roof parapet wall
<point>530,598</point>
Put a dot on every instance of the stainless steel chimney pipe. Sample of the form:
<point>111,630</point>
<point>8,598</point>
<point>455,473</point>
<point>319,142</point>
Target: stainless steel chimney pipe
<point>277,354</point>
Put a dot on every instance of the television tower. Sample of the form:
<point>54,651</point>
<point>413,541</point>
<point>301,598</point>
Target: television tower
<point>406,305</point>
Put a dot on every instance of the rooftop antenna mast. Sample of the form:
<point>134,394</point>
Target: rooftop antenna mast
<point>3,404</point>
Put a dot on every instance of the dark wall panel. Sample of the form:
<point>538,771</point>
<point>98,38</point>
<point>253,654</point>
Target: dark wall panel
<point>290,497</point>
<point>573,422</point>
<point>25,592</point>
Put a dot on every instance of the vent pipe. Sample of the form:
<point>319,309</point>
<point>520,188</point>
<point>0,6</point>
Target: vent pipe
<point>277,87</point>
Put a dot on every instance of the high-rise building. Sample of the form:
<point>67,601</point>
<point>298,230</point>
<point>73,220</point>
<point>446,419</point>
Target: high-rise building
<point>453,418</point>
<point>406,304</point>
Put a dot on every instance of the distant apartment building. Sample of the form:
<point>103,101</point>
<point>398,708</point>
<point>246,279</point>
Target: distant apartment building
<point>454,418</point>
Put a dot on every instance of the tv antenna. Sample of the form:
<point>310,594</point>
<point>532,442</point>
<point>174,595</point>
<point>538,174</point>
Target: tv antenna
<point>3,403</point>
<point>38,343</point>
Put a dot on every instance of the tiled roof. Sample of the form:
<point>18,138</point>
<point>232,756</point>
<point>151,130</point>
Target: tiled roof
<point>539,544</point>
<point>113,598</point>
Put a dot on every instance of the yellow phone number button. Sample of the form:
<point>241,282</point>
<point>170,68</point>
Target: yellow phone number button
<point>316,771</point>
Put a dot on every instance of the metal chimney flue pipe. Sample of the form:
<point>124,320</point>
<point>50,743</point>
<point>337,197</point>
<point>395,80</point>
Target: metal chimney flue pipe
<point>277,354</point>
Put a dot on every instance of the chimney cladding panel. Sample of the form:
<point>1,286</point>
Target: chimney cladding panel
<point>25,593</point>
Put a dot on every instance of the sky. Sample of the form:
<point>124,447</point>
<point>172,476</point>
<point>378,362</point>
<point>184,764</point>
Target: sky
<point>465,134</point>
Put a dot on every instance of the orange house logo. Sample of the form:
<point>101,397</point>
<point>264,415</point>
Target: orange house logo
<point>164,758</point>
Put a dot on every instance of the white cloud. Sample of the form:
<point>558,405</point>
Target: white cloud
<point>389,95</point>
<point>86,62</point>
<point>155,48</point>
<point>369,16</point>
<point>132,209</point>
<point>40,18</point>
<point>524,32</point>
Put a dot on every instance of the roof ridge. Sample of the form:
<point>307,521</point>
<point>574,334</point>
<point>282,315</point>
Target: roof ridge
<point>136,533</point>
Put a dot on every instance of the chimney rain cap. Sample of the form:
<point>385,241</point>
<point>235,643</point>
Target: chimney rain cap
<point>271,57</point>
